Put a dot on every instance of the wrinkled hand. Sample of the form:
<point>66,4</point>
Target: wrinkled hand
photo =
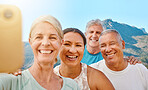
<point>132,60</point>
<point>18,72</point>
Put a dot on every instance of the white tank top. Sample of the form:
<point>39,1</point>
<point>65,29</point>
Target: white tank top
<point>81,79</point>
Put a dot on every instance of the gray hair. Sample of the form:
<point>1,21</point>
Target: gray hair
<point>50,19</point>
<point>110,31</point>
<point>94,22</point>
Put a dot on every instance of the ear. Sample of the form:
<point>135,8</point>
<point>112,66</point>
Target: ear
<point>123,44</point>
<point>62,41</point>
<point>30,41</point>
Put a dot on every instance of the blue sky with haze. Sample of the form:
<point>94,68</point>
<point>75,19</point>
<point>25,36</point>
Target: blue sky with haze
<point>76,13</point>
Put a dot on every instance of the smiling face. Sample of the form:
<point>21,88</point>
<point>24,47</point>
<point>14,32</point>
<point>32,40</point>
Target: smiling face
<point>93,34</point>
<point>45,43</point>
<point>112,48</point>
<point>72,49</point>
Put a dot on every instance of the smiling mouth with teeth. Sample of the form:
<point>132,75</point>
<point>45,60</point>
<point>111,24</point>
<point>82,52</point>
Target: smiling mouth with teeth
<point>72,57</point>
<point>93,40</point>
<point>46,52</point>
<point>110,54</point>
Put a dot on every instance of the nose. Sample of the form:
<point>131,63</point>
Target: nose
<point>73,49</point>
<point>94,34</point>
<point>45,42</point>
<point>108,49</point>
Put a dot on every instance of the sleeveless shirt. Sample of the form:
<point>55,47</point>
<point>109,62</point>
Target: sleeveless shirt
<point>81,79</point>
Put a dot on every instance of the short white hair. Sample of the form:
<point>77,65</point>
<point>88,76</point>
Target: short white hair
<point>94,22</point>
<point>110,31</point>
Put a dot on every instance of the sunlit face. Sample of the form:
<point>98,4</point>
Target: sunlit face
<point>72,49</point>
<point>45,43</point>
<point>111,48</point>
<point>93,34</point>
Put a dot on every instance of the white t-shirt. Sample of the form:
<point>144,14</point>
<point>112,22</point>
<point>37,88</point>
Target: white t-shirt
<point>133,77</point>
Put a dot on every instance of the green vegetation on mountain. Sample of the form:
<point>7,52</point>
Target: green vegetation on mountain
<point>142,42</point>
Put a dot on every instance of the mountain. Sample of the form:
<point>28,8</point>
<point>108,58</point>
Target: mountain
<point>136,42</point>
<point>29,58</point>
<point>143,30</point>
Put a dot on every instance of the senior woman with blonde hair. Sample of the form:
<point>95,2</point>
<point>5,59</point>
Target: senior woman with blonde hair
<point>45,40</point>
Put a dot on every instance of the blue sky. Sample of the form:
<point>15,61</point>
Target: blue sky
<point>76,13</point>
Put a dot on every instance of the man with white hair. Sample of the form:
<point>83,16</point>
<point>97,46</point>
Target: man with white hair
<point>122,75</point>
<point>92,52</point>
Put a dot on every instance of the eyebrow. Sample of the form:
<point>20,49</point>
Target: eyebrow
<point>112,41</point>
<point>42,34</point>
<point>67,41</point>
<point>101,43</point>
<point>79,43</point>
<point>76,42</point>
<point>53,35</point>
<point>36,34</point>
